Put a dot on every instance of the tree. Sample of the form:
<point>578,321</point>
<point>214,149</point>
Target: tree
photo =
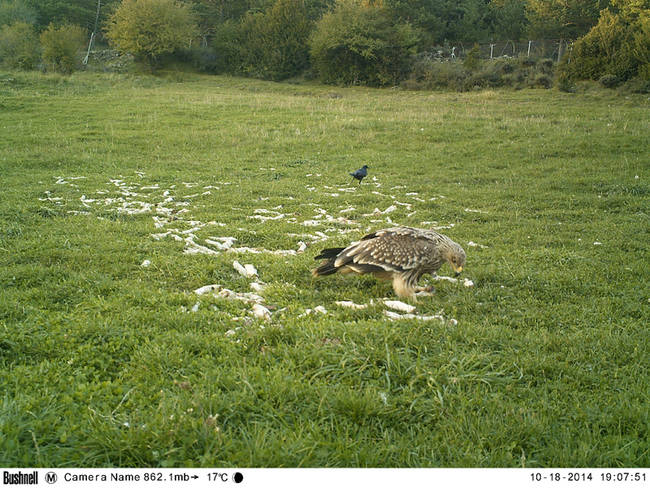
<point>508,19</point>
<point>566,19</point>
<point>210,14</point>
<point>62,47</point>
<point>276,41</point>
<point>19,47</point>
<point>359,42</point>
<point>617,47</point>
<point>76,12</point>
<point>443,20</point>
<point>16,11</point>
<point>150,28</point>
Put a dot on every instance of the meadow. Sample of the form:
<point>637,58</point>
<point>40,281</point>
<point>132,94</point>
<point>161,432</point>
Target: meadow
<point>122,195</point>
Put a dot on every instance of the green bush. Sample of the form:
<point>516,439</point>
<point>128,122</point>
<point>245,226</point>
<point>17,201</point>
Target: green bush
<point>19,47</point>
<point>546,65</point>
<point>228,48</point>
<point>270,45</point>
<point>62,47</point>
<point>149,29</point>
<point>502,72</point>
<point>359,43</point>
<point>542,80</point>
<point>638,84</point>
<point>110,60</point>
<point>564,83</point>
<point>275,42</point>
<point>609,81</point>
<point>472,59</point>
<point>619,45</point>
<point>203,59</point>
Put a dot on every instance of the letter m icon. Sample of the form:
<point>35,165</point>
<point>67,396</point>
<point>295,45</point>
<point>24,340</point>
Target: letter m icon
<point>50,477</point>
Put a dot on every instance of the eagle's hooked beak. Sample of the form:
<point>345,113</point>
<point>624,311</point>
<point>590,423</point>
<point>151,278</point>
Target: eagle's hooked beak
<point>458,270</point>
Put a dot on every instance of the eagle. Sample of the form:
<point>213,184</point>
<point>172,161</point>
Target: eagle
<point>400,254</point>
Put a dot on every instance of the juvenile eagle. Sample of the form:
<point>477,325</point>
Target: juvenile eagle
<point>400,254</point>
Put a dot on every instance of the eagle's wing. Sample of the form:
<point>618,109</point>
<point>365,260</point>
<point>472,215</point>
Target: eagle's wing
<point>401,249</point>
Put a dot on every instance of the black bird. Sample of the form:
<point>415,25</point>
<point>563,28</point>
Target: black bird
<point>361,173</point>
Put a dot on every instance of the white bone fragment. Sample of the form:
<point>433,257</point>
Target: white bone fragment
<point>222,246</point>
<point>194,248</point>
<point>407,205</point>
<point>400,306</point>
<point>258,287</point>
<point>261,312</point>
<point>350,304</point>
<point>207,289</point>
<point>244,297</point>
<point>474,244</point>
<point>445,278</point>
<point>239,268</point>
<point>397,316</point>
<point>311,223</point>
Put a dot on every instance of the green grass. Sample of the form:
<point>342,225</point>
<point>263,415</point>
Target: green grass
<point>103,363</point>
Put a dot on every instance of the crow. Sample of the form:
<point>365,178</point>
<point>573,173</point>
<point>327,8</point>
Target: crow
<point>361,173</point>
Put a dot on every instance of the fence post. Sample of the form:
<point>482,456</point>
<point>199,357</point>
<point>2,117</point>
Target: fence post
<point>559,51</point>
<point>529,43</point>
<point>491,50</point>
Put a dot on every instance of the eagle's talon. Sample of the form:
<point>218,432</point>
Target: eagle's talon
<point>425,289</point>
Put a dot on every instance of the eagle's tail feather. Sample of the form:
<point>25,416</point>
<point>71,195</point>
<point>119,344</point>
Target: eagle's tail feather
<point>330,253</point>
<point>327,268</point>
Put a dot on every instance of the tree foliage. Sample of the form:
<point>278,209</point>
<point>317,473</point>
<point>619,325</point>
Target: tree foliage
<point>150,28</point>
<point>275,42</point>
<point>351,41</point>
<point>507,19</point>
<point>566,19</point>
<point>62,47</point>
<point>19,46</point>
<point>76,12</point>
<point>13,11</point>
<point>618,46</point>
<point>359,43</point>
<point>210,14</point>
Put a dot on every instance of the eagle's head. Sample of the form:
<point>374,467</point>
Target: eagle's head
<point>455,256</point>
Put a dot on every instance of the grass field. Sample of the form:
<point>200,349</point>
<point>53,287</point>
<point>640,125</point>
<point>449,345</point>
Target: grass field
<point>109,362</point>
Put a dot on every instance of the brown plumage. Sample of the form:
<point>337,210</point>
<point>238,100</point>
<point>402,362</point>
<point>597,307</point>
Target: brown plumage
<point>400,254</point>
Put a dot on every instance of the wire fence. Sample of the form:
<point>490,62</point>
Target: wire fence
<point>547,48</point>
